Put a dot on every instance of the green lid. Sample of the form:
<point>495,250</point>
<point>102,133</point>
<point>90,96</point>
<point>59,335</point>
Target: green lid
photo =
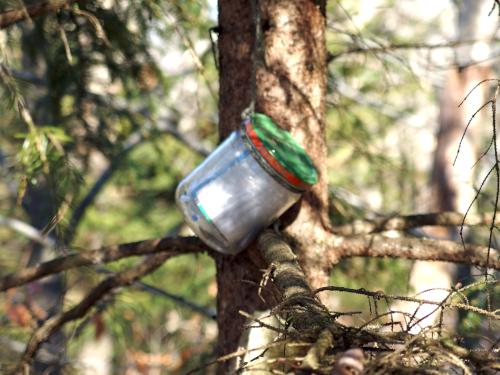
<point>284,148</point>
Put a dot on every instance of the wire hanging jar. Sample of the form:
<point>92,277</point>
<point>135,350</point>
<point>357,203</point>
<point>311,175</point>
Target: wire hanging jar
<point>245,184</point>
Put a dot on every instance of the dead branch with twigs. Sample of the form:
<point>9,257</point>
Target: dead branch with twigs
<point>340,248</point>
<point>105,287</point>
<point>171,246</point>
<point>321,345</point>
<point>303,311</point>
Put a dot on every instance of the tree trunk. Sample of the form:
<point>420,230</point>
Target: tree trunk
<point>453,184</point>
<point>285,73</point>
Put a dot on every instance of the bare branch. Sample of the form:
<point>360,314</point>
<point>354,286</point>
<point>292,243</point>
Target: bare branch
<point>205,311</point>
<point>367,245</point>
<point>412,248</point>
<point>28,77</point>
<point>495,315</point>
<point>52,324</point>
<point>402,223</point>
<point>26,230</point>
<point>170,246</point>
<point>405,46</point>
<point>164,124</point>
<point>17,15</point>
<point>315,324</point>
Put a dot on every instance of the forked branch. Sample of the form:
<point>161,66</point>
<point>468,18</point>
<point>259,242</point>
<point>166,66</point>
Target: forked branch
<point>170,246</point>
<point>394,352</point>
<point>111,283</point>
<point>339,248</point>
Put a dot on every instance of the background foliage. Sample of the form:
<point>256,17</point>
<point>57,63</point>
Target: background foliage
<point>126,88</point>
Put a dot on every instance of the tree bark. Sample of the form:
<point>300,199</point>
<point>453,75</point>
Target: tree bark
<point>288,64</point>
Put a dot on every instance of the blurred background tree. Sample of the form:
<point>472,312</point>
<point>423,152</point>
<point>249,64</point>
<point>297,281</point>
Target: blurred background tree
<point>107,104</point>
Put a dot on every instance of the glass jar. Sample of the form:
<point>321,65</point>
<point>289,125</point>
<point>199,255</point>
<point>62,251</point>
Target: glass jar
<point>245,184</point>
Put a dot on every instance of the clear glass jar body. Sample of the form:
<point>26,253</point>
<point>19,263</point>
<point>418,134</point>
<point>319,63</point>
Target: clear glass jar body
<point>232,196</point>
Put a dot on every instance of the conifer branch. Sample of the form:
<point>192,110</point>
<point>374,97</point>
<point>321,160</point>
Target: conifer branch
<point>11,17</point>
<point>171,246</point>
<point>105,287</point>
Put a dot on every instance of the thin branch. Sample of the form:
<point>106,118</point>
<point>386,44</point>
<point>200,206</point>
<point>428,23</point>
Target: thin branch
<point>402,223</point>
<point>11,17</point>
<point>411,248</point>
<point>35,235</point>
<point>178,299</point>
<point>188,43</point>
<point>497,180</point>
<point>495,3</point>
<point>241,352</point>
<point>205,311</point>
<point>380,295</point>
<point>26,230</point>
<point>28,77</point>
<point>171,246</point>
<point>133,141</point>
<point>18,348</point>
<point>405,46</point>
<point>315,324</point>
<point>163,124</point>
<point>52,324</point>
<point>476,86</point>
<point>467,128</point>
<point>367,245</point>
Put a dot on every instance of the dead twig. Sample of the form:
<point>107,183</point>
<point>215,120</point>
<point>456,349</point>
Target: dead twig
<point>405,222</point>
<point>495,315</point>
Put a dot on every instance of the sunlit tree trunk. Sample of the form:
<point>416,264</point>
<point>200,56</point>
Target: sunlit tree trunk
<point>453,184</point>
<point>288,63</point>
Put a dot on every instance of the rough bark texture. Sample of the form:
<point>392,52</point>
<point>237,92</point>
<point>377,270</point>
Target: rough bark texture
<point>290,87</point>
<point>412,248</point>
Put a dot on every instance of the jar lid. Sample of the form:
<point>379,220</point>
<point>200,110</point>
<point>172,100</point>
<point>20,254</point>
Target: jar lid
<point>281,151</point>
